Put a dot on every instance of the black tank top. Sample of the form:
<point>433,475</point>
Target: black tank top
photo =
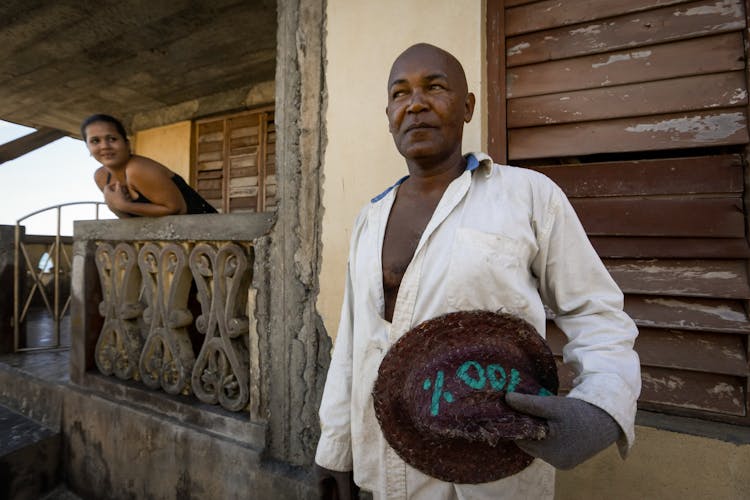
<point>195,202</point>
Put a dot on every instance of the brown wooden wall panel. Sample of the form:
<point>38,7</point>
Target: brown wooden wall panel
<point>243,204</point>
<point>698,351</point>
<point>723,353</point>
<point>710,315</point>
<point>701,391</point>
<point>209,184</point>
<point>654,247</point>
<point>720,90</point>
<point>211,134</point>
<point>690,57</point>
<point>210,146</point>
<point>210,174</point>
<point>684,392</point>
<point>681,277</point>
<point>554,13</point>
<point>513,3</point>
<point>648,133</point>
<point>713,218</point>
<point>687,175</point>
<point>676,22</point>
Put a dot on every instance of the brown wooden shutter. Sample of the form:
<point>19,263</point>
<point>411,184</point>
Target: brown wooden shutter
<point>638,110</point>
<point>234,161</point>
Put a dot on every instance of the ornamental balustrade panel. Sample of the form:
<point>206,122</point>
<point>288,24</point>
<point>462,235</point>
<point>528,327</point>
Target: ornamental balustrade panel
<point>179,316</point>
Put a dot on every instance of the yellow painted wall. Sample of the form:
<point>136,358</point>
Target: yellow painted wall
<point>662,465</point>
<point>169,145</point>
<point>363,39</point>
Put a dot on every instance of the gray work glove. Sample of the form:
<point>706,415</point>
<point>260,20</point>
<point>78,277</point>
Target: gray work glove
<point>335,485</point>
<point>577,430</point>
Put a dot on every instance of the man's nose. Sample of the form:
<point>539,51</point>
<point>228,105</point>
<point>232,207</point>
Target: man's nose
<point>417,102</point>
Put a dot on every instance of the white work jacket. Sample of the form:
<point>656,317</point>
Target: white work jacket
<point>501,239</point>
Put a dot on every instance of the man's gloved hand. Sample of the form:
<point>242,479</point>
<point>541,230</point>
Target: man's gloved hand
<point>577,430</point>
<point>335,485</point>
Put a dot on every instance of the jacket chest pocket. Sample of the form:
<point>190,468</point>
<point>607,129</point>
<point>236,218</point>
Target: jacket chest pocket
<point>488,271</point>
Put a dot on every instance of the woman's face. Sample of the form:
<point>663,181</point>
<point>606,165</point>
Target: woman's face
<point>106,144</point>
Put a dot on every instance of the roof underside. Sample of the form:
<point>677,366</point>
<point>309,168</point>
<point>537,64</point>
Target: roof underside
<point>62,61</point>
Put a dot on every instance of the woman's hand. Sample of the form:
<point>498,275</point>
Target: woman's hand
<point>115,196</point>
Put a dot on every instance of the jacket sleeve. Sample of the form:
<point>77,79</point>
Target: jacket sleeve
<point>587,305</point>
<point>335,448</point>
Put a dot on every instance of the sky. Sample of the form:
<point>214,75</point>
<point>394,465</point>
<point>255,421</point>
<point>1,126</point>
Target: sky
<point>60,172</point>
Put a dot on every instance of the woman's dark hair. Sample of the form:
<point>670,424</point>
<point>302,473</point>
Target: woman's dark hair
<point>103,118</point>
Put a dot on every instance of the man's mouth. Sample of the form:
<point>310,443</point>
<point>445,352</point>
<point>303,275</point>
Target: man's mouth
<point>418,126</point>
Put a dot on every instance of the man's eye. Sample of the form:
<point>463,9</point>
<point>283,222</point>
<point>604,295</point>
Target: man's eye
<point>436,86</point>
<point>398,93</point>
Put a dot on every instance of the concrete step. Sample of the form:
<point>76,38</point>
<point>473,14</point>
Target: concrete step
<point>30,457</point>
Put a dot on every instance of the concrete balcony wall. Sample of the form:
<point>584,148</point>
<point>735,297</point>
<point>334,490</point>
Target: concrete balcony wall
<point>129,439</point>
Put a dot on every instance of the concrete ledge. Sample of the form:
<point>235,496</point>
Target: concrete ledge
<point>729,433</point>
<point>36,397</point>
<point>126,451</point>
<point>217,227</point>
<point>183,410</point>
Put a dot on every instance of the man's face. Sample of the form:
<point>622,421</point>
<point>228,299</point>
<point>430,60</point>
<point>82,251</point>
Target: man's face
<point>428,104</point>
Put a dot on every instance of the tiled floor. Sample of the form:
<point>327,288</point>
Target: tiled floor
<point>39,330</point>
<point>51,364</point>
<point>17,431</point>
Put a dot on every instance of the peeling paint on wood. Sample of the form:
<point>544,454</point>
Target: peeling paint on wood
<point>553,13</point>
<point>710,54</point>
<point>636,54</point>
<point>645,28</point>
<point>697,278</point>
<point>724,8</point>
<point>696,390</point>
<point>518,48</point>
<point>723,312</point>
<point>704,129</point>
<point>678,131</point>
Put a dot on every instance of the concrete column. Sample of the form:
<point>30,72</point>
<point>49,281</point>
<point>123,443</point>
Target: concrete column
<point>298,344</point>
<point>85,320</point>
<point>7,239</point>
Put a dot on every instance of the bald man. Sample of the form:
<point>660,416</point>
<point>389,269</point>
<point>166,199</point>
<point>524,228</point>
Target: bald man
<point>462,233</point>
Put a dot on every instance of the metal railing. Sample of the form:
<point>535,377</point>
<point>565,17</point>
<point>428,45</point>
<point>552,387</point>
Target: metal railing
<point>58,258</point>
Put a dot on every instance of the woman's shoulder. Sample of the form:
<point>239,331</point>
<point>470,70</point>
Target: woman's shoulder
<point>142,165</point>
<point>100,176</point>
<point>138,161</point>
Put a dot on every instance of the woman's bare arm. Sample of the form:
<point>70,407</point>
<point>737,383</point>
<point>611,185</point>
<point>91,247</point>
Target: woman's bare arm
<point>100,177</point>
<point>153,181</point>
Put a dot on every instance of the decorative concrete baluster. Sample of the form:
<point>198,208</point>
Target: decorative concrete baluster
<point>119,345</point>
<point>167,358</point>
<point>221,372</point>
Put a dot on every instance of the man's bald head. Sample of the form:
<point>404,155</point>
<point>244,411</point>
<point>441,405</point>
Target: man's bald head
<point>428,104</point>
<point>427,53</point>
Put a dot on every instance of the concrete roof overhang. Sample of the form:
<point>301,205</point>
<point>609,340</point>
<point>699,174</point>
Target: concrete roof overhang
<point>148,62</point>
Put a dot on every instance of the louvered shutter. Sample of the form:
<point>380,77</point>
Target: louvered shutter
<point>234,161</point>
<point>638,110</point>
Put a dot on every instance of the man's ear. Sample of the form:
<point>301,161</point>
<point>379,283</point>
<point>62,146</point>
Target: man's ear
<point>469,107</point>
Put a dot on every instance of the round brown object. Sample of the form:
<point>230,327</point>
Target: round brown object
<point>440,394</point>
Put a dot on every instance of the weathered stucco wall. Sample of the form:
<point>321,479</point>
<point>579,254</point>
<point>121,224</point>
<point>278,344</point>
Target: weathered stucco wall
<point>169,145</point>
<point>665,465</point>
<point>361,159</point>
